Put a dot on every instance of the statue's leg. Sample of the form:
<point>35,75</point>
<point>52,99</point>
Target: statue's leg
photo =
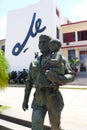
<point>55,120</point>
<point>38,116</point>
<point>55,106</point>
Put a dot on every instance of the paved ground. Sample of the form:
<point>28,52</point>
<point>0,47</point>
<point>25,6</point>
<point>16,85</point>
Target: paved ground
<point>81,79</point>
<point>74,115</point>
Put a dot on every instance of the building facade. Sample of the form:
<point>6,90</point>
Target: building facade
<point>2,44</point>
<point>74,39</point>
<point>25,25</point>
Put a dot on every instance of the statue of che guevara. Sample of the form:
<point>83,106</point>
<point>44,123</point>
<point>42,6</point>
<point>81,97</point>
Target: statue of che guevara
<point>46,73</point>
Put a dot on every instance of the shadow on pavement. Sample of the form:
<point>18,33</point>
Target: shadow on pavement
<point>18,121</point>
<point>4,128</point>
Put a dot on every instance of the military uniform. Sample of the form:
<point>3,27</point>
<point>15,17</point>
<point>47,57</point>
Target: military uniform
<point>46,98</point>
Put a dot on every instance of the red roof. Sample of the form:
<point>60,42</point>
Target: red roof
<point>74,23</point>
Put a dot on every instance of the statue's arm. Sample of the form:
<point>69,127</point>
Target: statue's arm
<point>59,79</point>
<point>68,77</point>
<point>28,87</point>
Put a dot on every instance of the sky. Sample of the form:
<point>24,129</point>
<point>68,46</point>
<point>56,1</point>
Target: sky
<point>74,10</point>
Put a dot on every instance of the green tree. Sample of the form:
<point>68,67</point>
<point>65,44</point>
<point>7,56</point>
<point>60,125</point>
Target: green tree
<point>74,63</point>
<point>4,66</point>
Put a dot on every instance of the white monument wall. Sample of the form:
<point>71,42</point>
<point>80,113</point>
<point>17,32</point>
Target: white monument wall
<point>24,26</point>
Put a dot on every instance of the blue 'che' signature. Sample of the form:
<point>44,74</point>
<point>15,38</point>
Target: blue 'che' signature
<point>19,47</point>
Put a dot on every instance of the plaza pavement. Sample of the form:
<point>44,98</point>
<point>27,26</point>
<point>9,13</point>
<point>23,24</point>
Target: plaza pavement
<point>74,114</point>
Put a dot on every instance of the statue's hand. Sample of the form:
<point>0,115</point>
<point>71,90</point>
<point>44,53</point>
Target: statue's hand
<point>25,106</point>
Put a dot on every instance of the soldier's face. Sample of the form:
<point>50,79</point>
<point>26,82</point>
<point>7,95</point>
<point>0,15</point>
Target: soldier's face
<point>43,46</point>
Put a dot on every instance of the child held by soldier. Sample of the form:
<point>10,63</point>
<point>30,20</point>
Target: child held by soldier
<point>53,64</point>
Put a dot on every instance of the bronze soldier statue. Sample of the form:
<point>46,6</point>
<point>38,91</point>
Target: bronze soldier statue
<point>47,97</point>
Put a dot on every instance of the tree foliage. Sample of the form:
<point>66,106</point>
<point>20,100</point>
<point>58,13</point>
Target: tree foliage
<point>4,66</point>
<point>74,63</point>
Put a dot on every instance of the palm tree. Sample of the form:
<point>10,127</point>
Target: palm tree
<point>4,66</point>
<point>74,62</point>
<point>4,76</point>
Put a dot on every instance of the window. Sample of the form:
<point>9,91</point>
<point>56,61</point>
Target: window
<point>69,37</point>
<point>83,58</point>
<point>82,35</point>
<point>3,47</point>
<point>71,54</point>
